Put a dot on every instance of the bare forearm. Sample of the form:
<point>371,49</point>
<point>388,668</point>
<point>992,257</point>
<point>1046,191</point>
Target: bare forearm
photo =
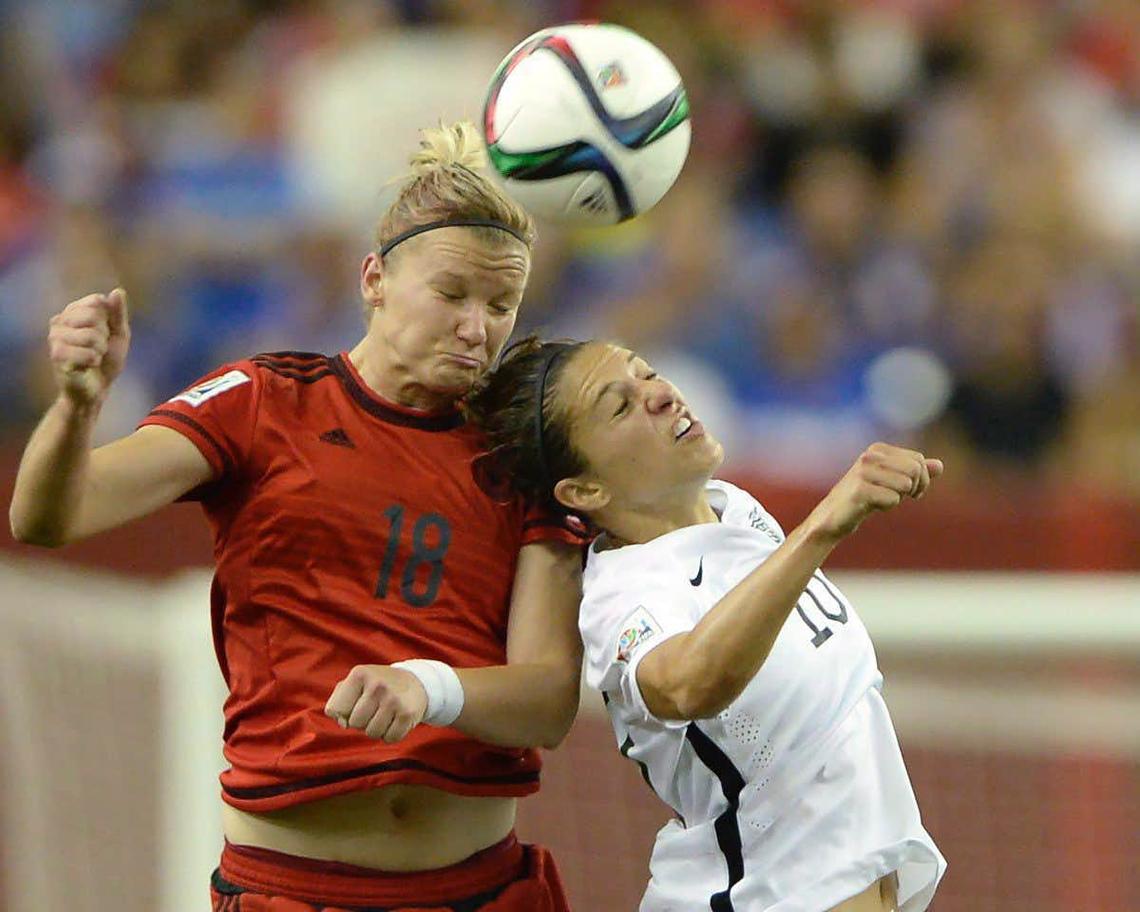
<point>696,674</point>
<point>727,647</point>
<point>52,474</point>
<point>529,702</point>
<point>522,705</point>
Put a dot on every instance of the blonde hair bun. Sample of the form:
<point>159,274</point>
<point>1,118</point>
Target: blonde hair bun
<point>448,183</point>
<point>454,144</point>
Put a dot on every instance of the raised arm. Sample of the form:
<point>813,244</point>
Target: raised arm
<point>695,675</point>
<point>64,490</point>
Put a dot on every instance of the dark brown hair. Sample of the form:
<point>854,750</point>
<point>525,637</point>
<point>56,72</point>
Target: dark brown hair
<point>527,436</point>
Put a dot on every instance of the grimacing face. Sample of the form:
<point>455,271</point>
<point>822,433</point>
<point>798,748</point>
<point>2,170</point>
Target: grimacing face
<point>444,304</point>
<point>640,442</point>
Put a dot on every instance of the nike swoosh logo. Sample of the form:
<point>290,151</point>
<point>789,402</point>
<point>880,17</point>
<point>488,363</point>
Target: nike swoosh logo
<point>696,580</point>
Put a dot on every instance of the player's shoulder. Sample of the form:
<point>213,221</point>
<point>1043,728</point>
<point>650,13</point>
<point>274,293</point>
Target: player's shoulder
<point>614,572</point>
<point>256,369</point>
<point>729,491</point>
<point>739,507</point>
<point>256,381</point>
<point>235,375</point>
<point>289,377</point>
<point>293,366</point>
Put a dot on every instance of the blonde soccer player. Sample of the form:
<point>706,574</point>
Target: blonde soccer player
<point>396,644</point>
<point>735,673</point>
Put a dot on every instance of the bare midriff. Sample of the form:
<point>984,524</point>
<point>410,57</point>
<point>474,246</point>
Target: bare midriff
<point>881,896</point>
<point>395,828</point>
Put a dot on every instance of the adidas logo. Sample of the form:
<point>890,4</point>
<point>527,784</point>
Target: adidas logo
<point>337,437</point>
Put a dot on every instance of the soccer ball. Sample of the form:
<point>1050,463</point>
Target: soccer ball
<point>586,124</point>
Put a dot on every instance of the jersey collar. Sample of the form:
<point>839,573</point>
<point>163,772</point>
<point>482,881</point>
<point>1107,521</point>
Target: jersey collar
<point>381,408</point>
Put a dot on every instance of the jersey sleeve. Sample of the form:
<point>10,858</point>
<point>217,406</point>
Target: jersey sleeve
<point>621,626</point>
<point>543,524</point>
<point>217,414</point>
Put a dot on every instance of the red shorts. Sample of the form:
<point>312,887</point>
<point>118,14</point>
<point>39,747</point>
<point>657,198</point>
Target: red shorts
<point>507,877</point>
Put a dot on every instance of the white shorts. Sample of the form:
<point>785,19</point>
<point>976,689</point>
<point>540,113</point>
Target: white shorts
<point>838,831</point>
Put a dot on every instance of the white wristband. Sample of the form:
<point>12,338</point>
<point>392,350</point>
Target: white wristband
<point>444,692</point>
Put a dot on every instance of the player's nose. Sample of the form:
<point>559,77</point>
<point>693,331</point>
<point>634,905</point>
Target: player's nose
<point>472,327</point>
<point>659,397</point>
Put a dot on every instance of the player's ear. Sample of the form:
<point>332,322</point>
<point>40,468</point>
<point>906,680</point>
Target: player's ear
<point>583,495</point>
<point>372,279</point>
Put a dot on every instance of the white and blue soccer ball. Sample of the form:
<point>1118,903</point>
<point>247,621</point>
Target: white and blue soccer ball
<point>587,124</point>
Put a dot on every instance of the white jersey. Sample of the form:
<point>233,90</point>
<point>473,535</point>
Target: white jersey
<point>795,796</point>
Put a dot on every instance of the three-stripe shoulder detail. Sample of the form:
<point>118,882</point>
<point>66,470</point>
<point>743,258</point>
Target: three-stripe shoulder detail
<point>305,367</point>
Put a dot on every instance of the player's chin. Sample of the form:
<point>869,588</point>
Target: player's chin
<point>454,385</point>
<point>705,453</point>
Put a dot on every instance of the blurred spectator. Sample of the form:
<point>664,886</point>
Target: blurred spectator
<point>1008,405</point>
<point>915,220</point>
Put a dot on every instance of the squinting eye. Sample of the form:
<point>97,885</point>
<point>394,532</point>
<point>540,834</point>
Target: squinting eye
<point>652,375</point>
<point>621,408</point>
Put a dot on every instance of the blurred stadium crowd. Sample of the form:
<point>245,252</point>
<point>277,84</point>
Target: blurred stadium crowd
<point>917,219</point>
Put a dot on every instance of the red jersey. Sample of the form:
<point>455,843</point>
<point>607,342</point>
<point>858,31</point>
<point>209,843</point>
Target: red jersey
<point>347,530</point>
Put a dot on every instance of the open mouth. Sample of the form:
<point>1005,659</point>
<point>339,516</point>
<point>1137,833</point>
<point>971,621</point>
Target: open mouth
<point>686,426</point>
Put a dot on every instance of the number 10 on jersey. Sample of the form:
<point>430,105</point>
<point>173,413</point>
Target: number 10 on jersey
<point>821,634</point>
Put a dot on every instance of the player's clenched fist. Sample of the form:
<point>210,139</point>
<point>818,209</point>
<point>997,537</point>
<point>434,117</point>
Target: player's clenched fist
<point>382,701</point>
<point>88,342</point>
<point>880,478</point>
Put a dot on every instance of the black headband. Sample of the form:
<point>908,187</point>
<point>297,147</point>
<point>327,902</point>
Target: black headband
<point>549,357</point>
<point>450,223</point>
